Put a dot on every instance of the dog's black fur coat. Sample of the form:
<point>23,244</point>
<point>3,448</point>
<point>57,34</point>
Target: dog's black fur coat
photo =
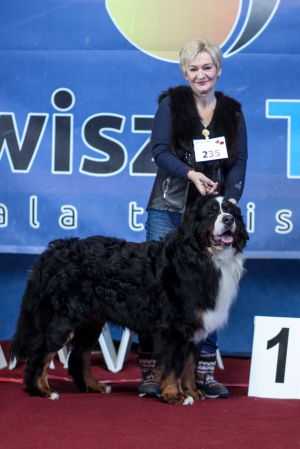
<point>157,288</point>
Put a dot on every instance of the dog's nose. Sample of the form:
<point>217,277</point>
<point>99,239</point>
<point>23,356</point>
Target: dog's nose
<point>227,220</point>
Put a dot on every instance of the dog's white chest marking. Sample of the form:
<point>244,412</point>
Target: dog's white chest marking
<point>231,267</point>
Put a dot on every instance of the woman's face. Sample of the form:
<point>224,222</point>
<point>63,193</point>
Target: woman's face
<point>202,74</point>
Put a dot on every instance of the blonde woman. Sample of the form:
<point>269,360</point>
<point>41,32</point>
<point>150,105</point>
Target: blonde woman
<point>194,111</point>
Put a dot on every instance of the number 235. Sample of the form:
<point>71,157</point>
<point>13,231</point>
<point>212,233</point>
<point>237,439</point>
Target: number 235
<point>209,154</point>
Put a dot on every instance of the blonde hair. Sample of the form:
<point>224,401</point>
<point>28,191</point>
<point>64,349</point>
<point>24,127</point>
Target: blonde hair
<point>193,48</point>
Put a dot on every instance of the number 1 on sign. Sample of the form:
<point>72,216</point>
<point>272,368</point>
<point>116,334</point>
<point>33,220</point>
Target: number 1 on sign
<point>282,340</point>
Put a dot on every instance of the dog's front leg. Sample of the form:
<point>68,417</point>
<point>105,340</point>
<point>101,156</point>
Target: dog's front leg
<point>188,381</point>
<point>173,362</point>
<point>178,385</point>
<point>171,391</point>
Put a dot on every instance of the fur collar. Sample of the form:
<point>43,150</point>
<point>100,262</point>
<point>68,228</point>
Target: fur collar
<point>186,125</point>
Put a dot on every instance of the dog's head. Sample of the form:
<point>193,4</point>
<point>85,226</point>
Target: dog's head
<point>216,223</point>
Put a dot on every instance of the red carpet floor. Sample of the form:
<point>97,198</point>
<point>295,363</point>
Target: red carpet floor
<point>123,420</point>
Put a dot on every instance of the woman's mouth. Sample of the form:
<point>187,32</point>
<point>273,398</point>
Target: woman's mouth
<point>202,83</point>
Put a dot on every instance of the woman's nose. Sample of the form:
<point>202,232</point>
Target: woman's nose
<point>200,74</point>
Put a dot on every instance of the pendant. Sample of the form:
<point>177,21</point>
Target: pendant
<point>205,133</point>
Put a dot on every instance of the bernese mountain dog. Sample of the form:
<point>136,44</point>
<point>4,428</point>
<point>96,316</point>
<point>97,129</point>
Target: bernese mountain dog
<point>177,290</point>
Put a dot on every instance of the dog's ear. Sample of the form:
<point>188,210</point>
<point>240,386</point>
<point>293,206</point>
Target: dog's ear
<point>241,234</point>
<point>193,209</point>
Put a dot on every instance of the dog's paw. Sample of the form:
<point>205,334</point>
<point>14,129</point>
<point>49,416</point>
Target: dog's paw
<point>195,394</point>
<point>95,386</point>
<point>107,389</point>
<point>173,399</point>
<point>189,400</point>
<point>54,396</point>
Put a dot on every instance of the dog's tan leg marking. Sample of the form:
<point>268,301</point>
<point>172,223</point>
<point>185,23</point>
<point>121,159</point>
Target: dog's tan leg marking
<point>92,384</point>
<point>42,381</point>
<point>171,391</point>
<point>188,379</point>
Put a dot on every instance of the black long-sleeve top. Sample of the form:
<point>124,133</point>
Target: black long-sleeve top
<point>161,139</point>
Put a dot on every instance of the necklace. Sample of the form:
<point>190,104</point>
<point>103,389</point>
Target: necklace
<point>206,117</point>
<point>205,132</point>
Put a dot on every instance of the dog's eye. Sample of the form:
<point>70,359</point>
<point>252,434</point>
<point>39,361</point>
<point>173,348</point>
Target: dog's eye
<point>214,209</point>
<point>227,206</point>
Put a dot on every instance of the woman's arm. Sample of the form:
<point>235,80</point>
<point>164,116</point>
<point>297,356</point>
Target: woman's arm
<point>235,177</point>
<point>161,140</point>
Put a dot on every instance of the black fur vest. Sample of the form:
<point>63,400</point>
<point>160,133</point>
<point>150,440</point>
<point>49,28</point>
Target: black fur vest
<point>187,126</point>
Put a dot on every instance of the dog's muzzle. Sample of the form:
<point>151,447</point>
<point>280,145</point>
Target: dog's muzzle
<point>224,230</point>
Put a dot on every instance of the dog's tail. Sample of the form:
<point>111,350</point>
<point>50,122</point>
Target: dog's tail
<point>36,308</point>
<point>27,338</point>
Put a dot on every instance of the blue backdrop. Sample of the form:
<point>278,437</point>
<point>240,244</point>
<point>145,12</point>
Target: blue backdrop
<point>76,104</point>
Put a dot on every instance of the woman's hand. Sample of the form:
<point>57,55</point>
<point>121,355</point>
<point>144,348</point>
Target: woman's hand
<point>202,183</point>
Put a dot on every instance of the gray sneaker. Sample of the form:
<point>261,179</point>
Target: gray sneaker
<point>212,389</point>
<point>150,385</point>
<point>205,381</point>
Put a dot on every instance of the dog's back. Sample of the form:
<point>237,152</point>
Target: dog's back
<point>77,278</point>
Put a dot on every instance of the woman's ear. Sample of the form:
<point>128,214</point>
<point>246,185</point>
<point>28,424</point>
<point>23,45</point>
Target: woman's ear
<point>219,73</point>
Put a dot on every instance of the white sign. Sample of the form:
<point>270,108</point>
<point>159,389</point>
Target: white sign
<point>210,149</point>
<point>114,360</point>
<point>3,362</point>
<point>275,367</point>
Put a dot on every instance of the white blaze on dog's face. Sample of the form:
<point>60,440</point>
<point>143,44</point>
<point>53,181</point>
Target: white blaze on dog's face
<point>225,225</point>
<point>216,223</point>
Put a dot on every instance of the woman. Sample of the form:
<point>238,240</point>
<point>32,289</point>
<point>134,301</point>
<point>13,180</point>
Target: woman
<point>187,113</point>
